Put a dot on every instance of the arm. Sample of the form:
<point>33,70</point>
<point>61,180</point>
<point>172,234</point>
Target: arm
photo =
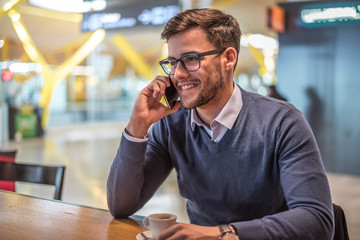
<point>305,187</point>
<point>148,109</point>
<point>134,178</point>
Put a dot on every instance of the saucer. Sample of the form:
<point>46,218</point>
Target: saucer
<point>144,236</point>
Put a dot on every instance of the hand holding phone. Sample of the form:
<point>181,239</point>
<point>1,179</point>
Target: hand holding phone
<point>171,95</point>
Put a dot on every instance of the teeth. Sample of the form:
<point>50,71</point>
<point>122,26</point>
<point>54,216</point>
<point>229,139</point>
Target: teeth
<point>187,86</point>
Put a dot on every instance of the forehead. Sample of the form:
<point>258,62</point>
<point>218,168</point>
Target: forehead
<point>193,40</point>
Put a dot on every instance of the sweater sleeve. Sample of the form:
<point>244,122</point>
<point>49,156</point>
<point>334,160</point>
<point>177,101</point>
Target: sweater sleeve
<point>135,175</point>
<point>305,187</point>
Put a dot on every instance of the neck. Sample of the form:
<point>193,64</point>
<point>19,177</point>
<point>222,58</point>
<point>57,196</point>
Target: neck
<point>211,110</point>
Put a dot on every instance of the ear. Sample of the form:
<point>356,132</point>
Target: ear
<point>230,57</point>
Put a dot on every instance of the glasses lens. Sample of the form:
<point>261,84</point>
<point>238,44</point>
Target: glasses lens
<point>168,65</point>
<point>191,61</point>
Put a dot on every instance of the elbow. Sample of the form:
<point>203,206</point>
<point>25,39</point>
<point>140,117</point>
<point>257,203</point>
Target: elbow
<point>328,225</point>
<point>118,214</point>
<point>119,207</point>
<point>331,223</point>
<point>117,210</point>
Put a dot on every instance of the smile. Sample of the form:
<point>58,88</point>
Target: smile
<point>187,87</point>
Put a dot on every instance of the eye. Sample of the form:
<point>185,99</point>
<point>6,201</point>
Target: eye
<point>190,59</point>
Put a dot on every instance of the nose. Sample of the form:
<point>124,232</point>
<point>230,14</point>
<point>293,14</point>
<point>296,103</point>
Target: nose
<point>180,71</point>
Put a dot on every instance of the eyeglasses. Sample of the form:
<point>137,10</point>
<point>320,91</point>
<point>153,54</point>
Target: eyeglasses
<point>190,61</point>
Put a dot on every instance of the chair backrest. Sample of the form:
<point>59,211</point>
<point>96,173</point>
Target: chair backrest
<point>341,231</point>
<point>7,156</point>
<point>49,175</point>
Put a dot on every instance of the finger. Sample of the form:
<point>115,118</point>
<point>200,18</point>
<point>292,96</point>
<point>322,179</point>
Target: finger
<point>165,80</point>
<point>157,89</point>
<point>168,233</point>
<point>166,84</point>
<point>159,86</point>
<point>180,231</point>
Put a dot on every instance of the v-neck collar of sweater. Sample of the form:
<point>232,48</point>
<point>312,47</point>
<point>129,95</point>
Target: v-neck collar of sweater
<point>224,121</point>
<point>228,134</point>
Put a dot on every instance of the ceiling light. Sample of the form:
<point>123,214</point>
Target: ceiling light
<point>15,17</point>
<point>77,6</point>
<point>259,41</point>
<point>328,14</point>
<point>9,5</point>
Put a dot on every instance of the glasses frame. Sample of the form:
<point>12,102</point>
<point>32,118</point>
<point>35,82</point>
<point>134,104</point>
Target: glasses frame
<point>212,52</point>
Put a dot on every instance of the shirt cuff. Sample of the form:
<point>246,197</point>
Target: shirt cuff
<point>134,139</point>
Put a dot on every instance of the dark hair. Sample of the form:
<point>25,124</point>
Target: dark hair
<point>222,30</point>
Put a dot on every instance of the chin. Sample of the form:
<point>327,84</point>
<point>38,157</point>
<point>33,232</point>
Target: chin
<point>187,105</point>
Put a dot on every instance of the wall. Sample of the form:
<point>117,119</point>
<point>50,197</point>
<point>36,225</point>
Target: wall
<point>319,72</point>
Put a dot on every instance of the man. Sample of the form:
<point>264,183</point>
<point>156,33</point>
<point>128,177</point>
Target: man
<point>243,160</point>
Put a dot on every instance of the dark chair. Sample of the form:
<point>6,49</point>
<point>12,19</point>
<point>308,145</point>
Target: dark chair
<point>341,231</point>
<point>7,156</point>
<point>49,175</point>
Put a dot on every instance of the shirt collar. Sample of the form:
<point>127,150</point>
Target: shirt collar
<point>228,114</point>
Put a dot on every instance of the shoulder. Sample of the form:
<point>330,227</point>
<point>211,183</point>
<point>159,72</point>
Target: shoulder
<point>269,113</point>
<point>264,105</point>
<point>265,100</point>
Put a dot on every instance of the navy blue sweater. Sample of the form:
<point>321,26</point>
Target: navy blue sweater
<point>265,176</point>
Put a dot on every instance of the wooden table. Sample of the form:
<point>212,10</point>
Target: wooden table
<point>24,217</point>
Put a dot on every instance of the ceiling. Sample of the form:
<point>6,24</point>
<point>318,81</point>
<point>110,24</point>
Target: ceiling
<point>51,30</point>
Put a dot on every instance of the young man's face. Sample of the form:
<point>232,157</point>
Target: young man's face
<point>204,86</point>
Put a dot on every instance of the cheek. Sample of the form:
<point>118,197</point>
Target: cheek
<point>212,73</point>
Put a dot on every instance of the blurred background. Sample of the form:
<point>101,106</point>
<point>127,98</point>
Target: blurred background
<point>71,70</point>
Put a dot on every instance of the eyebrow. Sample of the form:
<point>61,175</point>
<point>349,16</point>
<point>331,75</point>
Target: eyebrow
<point>183,54</point>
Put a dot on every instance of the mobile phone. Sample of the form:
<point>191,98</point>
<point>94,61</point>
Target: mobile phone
<point>171,95</point>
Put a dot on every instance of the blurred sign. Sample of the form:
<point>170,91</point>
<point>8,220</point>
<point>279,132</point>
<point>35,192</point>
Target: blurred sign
<point>146,13</point>
<point>276,18</point>
<point>7,75</point>
<point>331,14</point>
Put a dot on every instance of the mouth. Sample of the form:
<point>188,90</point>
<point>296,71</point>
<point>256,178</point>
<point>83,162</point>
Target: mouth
<point>187,85</point>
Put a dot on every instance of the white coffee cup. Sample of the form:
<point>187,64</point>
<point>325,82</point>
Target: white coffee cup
<point>159,222</point>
